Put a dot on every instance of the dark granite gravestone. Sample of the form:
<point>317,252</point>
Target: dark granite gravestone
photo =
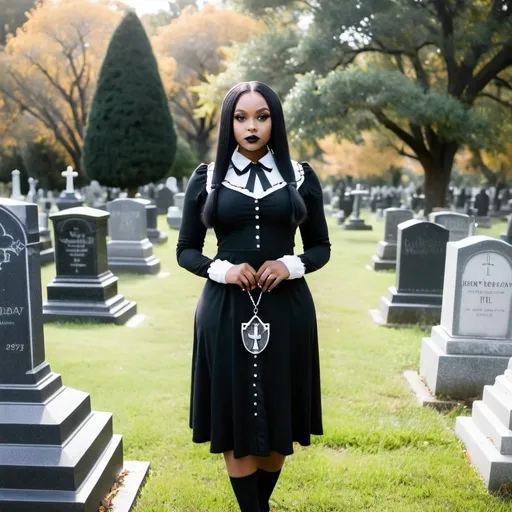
<point>129,249</point>
<point>473,343</point>
<point>155,236</point>
<point>46,251</point>
<point>417,295</point>
<point>385,257</point>
<point>56,454</point>
<point>84,288</point>
<point>459,224</point>
<point>507,237</point>
<point>164,199</point>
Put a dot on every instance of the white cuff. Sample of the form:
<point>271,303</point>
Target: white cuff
<point>218,270</point>
<point>294,265</point>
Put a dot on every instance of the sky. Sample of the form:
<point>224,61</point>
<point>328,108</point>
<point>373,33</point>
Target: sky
<point>147,6</point>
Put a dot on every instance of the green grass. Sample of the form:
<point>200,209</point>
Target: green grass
<point>380,451</point>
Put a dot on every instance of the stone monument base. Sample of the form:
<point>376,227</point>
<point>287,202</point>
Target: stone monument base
<point>379,264</point>
<point>461,367</point>
<point>174,216</point>
<point>488,435</point>
<point>56,453</point>
<point>68,200</point>
<point>357,225</point>
<point>46,251</point>
<point>158,237</point>
<point>385,256</point>
<point>484,222</point>
<point>408,308</point>
<point>87,300</point>
<point>136,257</point>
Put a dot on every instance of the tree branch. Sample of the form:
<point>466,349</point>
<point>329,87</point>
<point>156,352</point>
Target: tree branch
<point>496,65</point>
<point>406,137</point>
<point>507,104</point>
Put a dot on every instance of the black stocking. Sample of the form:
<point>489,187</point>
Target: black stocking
<point>246,492</point>
<point>267,482</point>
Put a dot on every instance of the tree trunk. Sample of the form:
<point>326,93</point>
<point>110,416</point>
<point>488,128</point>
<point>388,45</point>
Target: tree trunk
<point>132,191</point>
<point>202,146</point>
<point>438,170</point>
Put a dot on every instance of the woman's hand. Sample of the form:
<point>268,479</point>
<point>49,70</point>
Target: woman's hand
<point>270,274</point>
<point>243,275</point>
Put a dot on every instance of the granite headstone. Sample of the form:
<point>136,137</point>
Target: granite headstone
<point>56,454</point>
<point>473,343</point>
<point>385,257</point>
<point>417,294</point>
<point>84,288</point>
<point>459,224</point>
<point>129,249</point>
<point>164,199</point>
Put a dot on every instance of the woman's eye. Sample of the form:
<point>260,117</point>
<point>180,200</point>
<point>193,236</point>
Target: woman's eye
<point>264,117</point>
<point>240,118</point>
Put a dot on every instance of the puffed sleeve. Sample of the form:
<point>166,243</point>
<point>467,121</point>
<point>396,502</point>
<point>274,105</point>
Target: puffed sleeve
<point>314,232</point>
<point>189,251</point>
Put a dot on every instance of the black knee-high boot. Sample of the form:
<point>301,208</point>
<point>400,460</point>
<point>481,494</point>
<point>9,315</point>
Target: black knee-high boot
<point>266,483</point>
<point>247,492</point>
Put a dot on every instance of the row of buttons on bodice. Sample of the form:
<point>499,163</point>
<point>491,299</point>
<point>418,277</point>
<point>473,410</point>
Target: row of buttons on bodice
<point>257,216</point>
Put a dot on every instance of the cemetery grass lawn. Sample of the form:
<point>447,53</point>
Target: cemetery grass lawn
<point>380,451</point>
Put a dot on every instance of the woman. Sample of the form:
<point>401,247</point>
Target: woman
<point>255,370</point>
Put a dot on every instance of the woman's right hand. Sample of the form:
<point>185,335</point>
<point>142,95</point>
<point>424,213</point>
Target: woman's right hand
<point>243,275</point>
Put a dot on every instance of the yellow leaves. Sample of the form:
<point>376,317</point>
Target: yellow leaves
<point>358,160</point>
<point>195,40</point>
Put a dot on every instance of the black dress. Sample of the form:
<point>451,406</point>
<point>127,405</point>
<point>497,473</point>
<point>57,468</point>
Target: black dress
<point>254,404</point>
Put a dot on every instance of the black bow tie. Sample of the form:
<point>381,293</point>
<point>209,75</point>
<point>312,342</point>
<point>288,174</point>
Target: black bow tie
<point>255,169</point>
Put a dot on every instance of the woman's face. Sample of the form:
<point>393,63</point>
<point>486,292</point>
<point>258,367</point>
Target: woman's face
<point>252,125</point>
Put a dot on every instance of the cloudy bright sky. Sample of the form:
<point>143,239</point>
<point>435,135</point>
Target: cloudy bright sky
<point>145,6</point>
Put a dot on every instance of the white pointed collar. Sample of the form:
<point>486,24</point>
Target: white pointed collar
<point>241,162</point>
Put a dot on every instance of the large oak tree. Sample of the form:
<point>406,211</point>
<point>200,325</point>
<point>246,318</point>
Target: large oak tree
<point>430,72</point>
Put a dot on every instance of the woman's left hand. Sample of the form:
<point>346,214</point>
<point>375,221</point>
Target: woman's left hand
<point>270,274</point>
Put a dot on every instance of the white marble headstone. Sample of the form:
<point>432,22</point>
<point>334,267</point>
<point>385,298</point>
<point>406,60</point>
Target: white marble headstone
<point>477,293</point>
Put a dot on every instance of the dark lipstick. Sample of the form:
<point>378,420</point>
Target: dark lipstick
<point>252,139</point>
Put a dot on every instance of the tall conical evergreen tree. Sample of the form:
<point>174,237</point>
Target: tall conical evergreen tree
<point>130,138</point>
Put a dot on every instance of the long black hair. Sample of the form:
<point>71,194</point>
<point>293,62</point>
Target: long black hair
<point>278,144</point>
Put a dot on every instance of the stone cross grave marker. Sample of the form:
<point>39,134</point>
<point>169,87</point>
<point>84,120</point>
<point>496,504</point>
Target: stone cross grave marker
<point>69,198</point>
<point>355,223</point>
